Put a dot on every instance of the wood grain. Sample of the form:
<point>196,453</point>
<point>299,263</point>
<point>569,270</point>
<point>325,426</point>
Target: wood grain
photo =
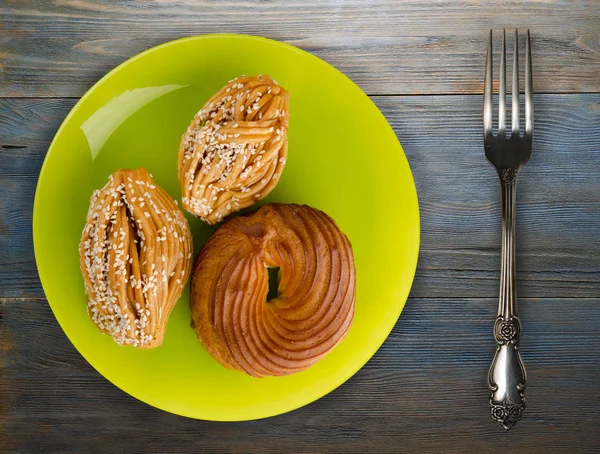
<point>558,211</point>
<point>61,48</point>
<point>423,391</point>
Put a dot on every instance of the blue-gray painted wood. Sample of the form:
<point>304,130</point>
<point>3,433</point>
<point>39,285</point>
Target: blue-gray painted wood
<point>424,391</point>
<point>60,48</point>
<point>558,212</point>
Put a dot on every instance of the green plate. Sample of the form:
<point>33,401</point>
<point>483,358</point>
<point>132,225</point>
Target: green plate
<point>343,159</point>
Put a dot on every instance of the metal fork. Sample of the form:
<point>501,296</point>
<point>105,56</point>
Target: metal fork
<point>508,154</point>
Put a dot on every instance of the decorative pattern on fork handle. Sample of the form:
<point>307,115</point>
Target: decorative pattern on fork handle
<point>507,377</point>
<point>508,175</point>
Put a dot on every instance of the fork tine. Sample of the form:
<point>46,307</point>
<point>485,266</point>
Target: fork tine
<point>502,90</point>
<point>515,89</point>
<point>528,91</point>
<point>487,94</point>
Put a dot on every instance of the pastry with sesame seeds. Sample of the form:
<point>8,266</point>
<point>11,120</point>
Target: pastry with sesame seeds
<point>234,151</point>
<point>263,332</point>
<point>135,257</point>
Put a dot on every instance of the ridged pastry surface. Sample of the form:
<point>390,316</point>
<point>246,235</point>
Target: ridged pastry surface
<point>135,257</point>
<point>233,153</point>
<point>314,306</point>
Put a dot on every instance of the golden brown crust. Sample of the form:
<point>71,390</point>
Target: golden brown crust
<point>135,257</point>
<point>234,150</point>
<point>315,303</point>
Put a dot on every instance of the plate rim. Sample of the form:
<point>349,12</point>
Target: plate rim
<point>416,230</point>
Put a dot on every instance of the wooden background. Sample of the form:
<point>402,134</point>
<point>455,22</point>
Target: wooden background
<point>422,63</point>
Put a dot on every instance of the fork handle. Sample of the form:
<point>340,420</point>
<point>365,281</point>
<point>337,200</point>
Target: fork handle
<point>507,377</point>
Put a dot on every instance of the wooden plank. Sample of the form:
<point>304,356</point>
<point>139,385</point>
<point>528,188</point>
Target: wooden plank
<point>61,48</point>
<point>558,198</point>
<point>558,212</point>
<point>26,129</point>
<point>423,391</point>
